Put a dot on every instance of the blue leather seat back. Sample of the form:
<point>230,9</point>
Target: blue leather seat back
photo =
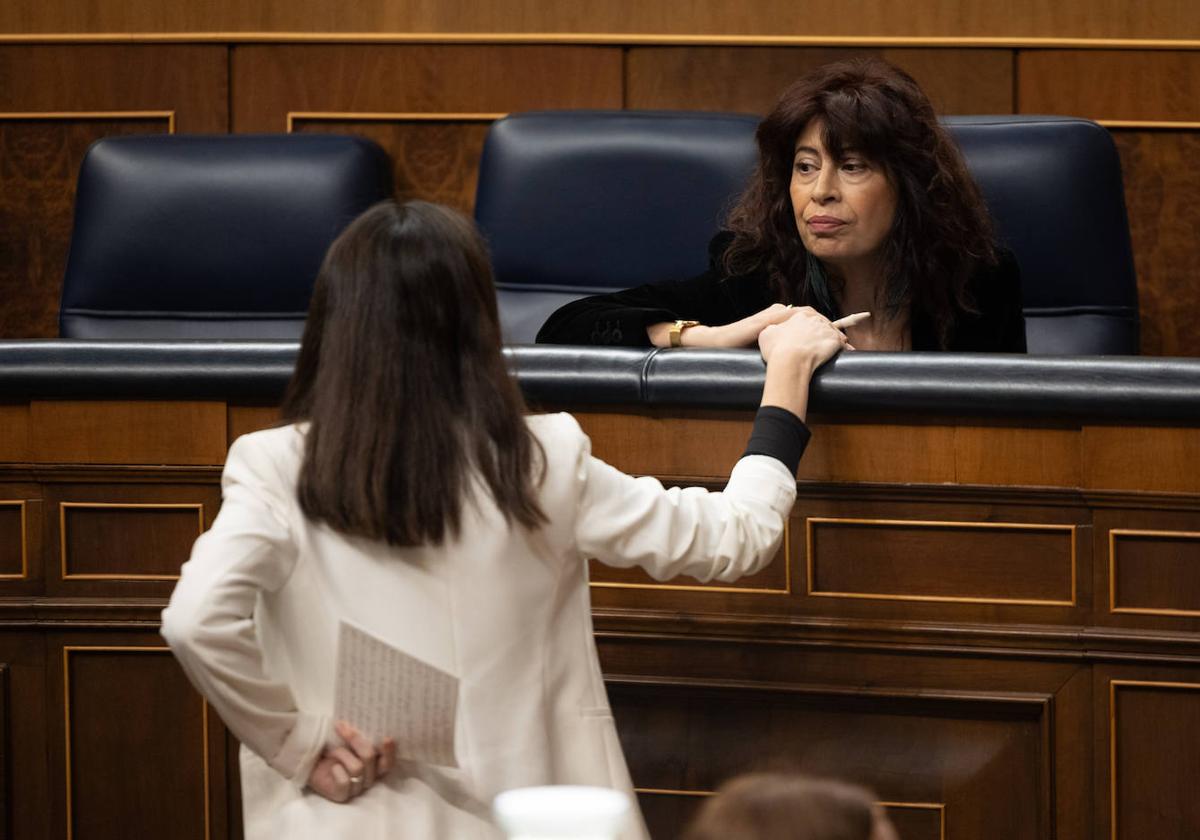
<point>221,236</point>
<point>1053,185</point>
<point>579,202</point>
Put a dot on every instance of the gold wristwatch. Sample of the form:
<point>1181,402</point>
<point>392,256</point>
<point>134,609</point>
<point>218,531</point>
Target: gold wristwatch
<point>676,331</point>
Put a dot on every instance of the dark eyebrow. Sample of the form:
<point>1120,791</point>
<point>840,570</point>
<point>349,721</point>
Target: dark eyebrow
<point>808,149</point>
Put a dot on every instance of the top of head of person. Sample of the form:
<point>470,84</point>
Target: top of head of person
<point>861,200</point>
<point>401,381</point>
<point>787,806</point>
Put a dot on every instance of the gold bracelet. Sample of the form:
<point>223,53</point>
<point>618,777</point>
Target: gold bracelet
<point>676,331</point>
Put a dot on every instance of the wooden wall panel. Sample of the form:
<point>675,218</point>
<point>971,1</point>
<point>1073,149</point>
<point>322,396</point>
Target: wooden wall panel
<point>147,798</point>
<point>750,79</point>
<point>52,99</point>
<point>164,432</point>
<point>271,81</point>
<point>128,538</point>
<point>1155,766</point>
<point>1110,84</point>
<point>1155,571</point>
<point>1134,458</point>
<point>1016,18</point>
<point>435,160</point>
<point>987,562</point>
<point>984,761</point>
<point>24,795</point>
<point>14,542</point>
<point>1161,185</point>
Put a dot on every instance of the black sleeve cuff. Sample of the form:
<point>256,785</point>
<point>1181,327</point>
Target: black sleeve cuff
<point>780,434</point>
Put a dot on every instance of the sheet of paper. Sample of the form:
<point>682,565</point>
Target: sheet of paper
<point>384,692</point>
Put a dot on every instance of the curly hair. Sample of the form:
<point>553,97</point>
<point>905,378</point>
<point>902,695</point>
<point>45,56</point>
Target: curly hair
<point>942,230</point>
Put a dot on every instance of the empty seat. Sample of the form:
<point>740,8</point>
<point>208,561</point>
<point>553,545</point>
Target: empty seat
<point>217,236</point>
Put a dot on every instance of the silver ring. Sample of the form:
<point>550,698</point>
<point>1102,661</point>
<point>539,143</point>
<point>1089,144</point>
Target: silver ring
<point>356,780</point>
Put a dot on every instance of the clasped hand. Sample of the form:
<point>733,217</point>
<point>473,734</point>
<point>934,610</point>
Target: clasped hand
<point>351,768</point>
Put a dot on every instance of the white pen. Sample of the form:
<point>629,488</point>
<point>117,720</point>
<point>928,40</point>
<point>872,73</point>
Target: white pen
<point>851,320</point>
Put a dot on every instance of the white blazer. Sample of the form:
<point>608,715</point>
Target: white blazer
<point>254,623</point>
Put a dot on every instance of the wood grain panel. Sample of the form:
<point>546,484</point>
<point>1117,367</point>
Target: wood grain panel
<point>39,158</point>
<point>1012,456</point>
<point>988,759</point>
<point>1110,84</point>
<point>929,18</point>
<point>14,430</point>
<point>108,539</point>
<point>434,160</point>
<point>83,432</point>
<point>270,81</point>
<point>14,548</point>
<point>147,798</point>
<point>1154,765</point>
<point>1161,185</point>
<point>985,562</point>
<point>39,162</point>
<point>1132,458</point>
<point>243,419</point>
<point>1154,572</point>
<point>127,541</point>
<point>750,79</point>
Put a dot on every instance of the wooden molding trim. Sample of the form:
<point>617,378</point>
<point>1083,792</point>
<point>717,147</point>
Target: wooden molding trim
<point>1112,571</point>
<point>918,523</point>
<point>403,116</point>
<point>62,533</point>
<point>169,116</point>
<point>601,39</point>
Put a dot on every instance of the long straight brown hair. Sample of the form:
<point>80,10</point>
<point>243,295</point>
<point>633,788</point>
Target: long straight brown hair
<point>402,383</point>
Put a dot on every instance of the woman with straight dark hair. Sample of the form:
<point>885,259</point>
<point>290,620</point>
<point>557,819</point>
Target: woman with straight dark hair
<point>411,514</point>
<point>779,806</point>
<point>861,202</point>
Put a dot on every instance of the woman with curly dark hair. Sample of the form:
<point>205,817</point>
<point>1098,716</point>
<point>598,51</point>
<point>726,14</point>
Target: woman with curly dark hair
<point>861,202</point>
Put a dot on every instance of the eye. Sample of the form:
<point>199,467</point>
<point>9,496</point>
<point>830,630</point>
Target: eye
<point>806,167</point>
<point>854,167</point>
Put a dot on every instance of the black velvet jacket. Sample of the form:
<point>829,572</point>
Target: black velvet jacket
<point>712,298</point>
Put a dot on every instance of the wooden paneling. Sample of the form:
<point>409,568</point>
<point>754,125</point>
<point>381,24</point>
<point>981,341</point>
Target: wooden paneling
<point>269,82</point>
<point>928,18</point>
<point>750,79</point>
<point>918,822</point>
<point>14,548</point>
<point>986,562</point>
<point>39,162</point>
<point>14,432</point>
<point>104,540</point>
<point>1155,766</point>
<point>5,755</point>
<point>1110,84</point>
<point>1027,457</point>
<point>130,538</point>
<point>24,750</point>
<point>1133,458</point>
<point>67,432</point>
<point>63,94</point>
<point>1154,571</point>
<point>983,757</point>
<point>242,420</point>
<point>1160,189</point>
<point>146,798</point>
<point>434,160</point>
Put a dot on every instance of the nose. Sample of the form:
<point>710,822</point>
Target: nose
<point>825,189</point>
